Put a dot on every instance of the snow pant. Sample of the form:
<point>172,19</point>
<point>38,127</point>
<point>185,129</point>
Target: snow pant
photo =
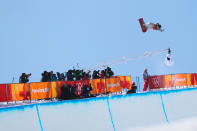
<point>145,86</point>
<point>149,25</point>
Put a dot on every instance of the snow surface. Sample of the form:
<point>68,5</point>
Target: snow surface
<point>165,110</point>
<point>179,125</point>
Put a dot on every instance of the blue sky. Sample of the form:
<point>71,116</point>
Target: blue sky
<point>56,35</point>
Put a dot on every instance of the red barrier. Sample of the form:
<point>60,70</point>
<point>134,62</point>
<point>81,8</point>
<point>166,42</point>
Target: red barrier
<point>3,97</point>
<point>77,84</point>
<point>10,93</point>
<point>60,84</point>
<point>193,79</point>
<point>156,82</point>
<point>173,80</point>
<point>42,90</point>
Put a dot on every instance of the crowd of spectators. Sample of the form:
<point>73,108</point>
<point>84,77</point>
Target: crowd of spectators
<point>70,75</point>
<point>50,76</point>
<point>76,74</point>
<point>72,91</point>
<point>106,73</point>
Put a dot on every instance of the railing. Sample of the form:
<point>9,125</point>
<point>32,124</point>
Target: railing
<point>50,90</point>
<point>172,81</point>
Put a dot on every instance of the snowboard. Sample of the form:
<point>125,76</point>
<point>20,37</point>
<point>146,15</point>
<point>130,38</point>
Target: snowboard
<point>142,25</point>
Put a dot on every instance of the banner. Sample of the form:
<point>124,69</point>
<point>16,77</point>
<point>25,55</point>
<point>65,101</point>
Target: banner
<point>180,80</point>
<point>175,80</point>
<point>156,82</point>
<point>20,92</point>
<point>59,85</point>
<point>192,79</point>
<point>113,85</point>
<point>10,93</point>
<point>79,86</point>
<point>125,81</point>
<point>3,97</point>
<point>55,89</point>
<point>169,81</point>
<point>40,90</point>
<point>98,86</point>
<point>62,83</point>
<point>93,85</point>
<point>101,86</point>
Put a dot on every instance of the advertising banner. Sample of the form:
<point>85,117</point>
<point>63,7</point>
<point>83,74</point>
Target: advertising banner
<point>93,85</point>
<point>79,86</point>
<point>125,81</point>
<point>181,80</point>
<point>40,90</point>
<point>20,92</point>
<point>98,86</point>
<point>175,80</point>
<point>156,82</point>
<point>3,97</point>
<point>169,81</point>
<point>10,93</point>
<point>113,85</point>
<point>55,89</point>
<point>59,85</point>
<point>192,79</point>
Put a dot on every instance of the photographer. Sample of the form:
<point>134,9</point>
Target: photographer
<point>95,74</point>
<point>45,76</point>
<point>70,75</point>
<point>109,72</point>
<point>133,88</point>
<point>54,77</point>
<point>24,78</point>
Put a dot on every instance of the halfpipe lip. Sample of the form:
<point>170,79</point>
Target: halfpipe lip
<point>92,99</point>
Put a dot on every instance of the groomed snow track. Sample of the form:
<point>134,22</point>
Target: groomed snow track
<point>113,113</point>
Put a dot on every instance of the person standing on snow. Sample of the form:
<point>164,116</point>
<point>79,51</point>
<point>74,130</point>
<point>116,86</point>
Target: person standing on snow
<point>146,79</point>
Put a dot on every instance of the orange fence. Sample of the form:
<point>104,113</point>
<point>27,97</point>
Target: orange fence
<point>113,85</point>
<point>173,80</point>
<point>40,90</point>
<point>48,90</point>
<point>101,86</point>
<point>191,79</point>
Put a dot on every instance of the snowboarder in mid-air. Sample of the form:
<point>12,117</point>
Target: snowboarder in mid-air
<point>149,25</point>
